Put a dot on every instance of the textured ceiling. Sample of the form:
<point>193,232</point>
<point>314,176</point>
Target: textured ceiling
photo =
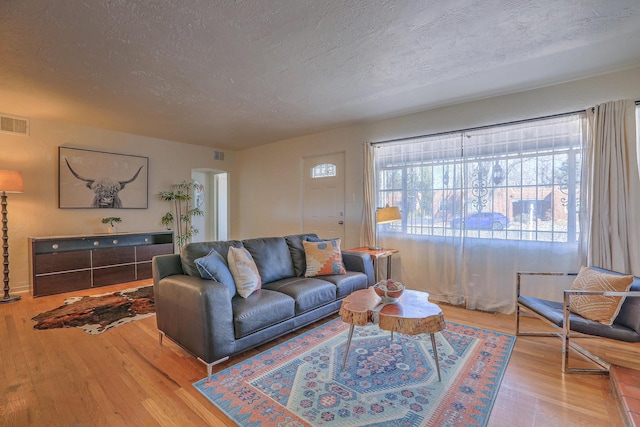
<point>236,74</point>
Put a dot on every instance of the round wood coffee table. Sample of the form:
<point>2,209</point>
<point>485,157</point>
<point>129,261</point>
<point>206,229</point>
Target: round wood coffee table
<point>412,314</point>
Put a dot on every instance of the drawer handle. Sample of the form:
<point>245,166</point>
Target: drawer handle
<point>55,246</point>
<point>96,243</point>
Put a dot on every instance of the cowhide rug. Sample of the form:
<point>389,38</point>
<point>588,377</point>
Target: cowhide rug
<point>99,313</point>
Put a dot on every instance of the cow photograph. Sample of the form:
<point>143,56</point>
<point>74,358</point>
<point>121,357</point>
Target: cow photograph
<point>99,180</point>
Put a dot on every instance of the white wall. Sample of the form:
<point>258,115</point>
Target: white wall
<point>35,212</point>
<point>268,186</point>
<point>266,182</point>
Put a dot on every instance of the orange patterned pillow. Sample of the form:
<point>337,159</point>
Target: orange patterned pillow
<point>602,309</point>
<point>323,258</point>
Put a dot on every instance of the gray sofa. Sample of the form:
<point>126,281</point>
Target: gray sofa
<point>211,321</point>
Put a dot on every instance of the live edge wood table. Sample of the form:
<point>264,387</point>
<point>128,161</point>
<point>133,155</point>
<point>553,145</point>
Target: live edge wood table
<point>412,314</point>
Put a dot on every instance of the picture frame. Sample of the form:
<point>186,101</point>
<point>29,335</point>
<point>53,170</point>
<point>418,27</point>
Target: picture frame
<point>89,179</point>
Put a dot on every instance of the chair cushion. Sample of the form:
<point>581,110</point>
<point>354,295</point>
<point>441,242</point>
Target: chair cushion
<point>272,256</point>
<point>244,271</point>
<point>214,267</point>
<point>261,309</point>
<point>323,258</point>
<point>629,314</point>
<point>553,311</point>
<point>603,309</point>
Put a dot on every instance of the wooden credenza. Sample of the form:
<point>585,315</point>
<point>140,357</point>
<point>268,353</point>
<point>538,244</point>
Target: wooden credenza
<point>70,263</point>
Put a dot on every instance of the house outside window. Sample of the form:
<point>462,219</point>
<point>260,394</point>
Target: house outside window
<point>518,181</point>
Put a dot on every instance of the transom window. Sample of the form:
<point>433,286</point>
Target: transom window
<point>518,181</point>
<point>323,170</point>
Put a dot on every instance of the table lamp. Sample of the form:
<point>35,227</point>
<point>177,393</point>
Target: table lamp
<point>384,216</point>
<point>10,182</point>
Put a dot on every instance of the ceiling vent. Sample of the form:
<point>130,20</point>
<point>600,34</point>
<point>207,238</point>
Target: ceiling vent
<point>14,125</point>
<point>218,155</point>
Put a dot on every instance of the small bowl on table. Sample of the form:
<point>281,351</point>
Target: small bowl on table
<point>389,290</point>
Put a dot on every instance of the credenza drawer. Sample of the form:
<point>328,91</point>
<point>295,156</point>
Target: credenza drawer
<point>62,261</point>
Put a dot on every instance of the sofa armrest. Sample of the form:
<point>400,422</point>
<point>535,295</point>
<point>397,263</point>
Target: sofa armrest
<point>361,262</point>
<point>196,314</point>
<point>165,265</point>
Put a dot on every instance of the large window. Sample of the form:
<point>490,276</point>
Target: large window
<point>518,181</point>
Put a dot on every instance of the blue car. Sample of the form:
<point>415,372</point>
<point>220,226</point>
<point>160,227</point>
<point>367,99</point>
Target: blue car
<point>482,220</point>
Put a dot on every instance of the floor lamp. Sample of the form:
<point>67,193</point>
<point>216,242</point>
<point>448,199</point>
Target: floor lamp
<point>10,182</point>
<point>384,216</point>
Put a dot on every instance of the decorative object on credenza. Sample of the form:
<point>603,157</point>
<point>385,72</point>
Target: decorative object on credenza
<point>388,382</point>
<point>181,197</point>
<point>95,179</point>
<point>10,182</point>
<point>99,313</point>
<point>111,220</point>
<point>385,215</point>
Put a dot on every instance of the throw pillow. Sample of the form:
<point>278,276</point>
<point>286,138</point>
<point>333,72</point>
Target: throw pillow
<point>602,309</point>
<point>244,271</point>
<point>214,267</point>
<point>323,258</point>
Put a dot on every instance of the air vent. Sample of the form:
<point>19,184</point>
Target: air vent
<point>14,125</point>
<point>218,155</point>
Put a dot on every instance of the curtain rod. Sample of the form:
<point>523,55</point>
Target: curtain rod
<point>473,129</point>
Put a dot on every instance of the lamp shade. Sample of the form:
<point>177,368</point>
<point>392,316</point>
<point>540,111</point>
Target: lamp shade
<point>388,214</point>
<point>10,181</point>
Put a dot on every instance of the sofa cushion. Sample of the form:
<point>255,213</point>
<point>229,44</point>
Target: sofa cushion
<point>192,251</point>
<point>214,267</point>
<point>244,271</point>
<point>272,256</point>
<point>323,258</point>
<point>261,309</point>
<point>347,283</point>
<point>296,249</point>
<point>308,293</point>
<point>603,309</point>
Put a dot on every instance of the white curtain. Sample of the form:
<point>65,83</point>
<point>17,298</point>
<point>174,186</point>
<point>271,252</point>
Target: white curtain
<point>367,225</point>
<point>613,239</point>
<point>476,268</point>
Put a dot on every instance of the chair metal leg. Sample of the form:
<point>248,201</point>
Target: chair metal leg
<point>567,344</point>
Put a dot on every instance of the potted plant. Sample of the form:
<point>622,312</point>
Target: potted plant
<point>182,211</point>
<point>111,220</point>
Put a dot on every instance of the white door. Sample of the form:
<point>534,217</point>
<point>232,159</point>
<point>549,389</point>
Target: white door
<point>324,196</point>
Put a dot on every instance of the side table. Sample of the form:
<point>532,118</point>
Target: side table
<point>377,254</point>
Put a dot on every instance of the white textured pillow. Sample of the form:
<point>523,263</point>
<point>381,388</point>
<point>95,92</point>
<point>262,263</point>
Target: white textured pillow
<point>244,271</point>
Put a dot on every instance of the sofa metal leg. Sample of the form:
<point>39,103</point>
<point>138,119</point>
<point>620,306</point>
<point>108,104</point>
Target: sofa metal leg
<point>160,336</point>
<point>210,366</point>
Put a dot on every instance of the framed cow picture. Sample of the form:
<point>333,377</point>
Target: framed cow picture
<point>90,179</point>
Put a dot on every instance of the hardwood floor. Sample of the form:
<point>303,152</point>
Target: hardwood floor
<point>66,377</point>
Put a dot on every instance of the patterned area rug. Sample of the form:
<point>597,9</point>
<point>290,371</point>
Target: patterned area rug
<point>99,313</point>
<point>385,382</point>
